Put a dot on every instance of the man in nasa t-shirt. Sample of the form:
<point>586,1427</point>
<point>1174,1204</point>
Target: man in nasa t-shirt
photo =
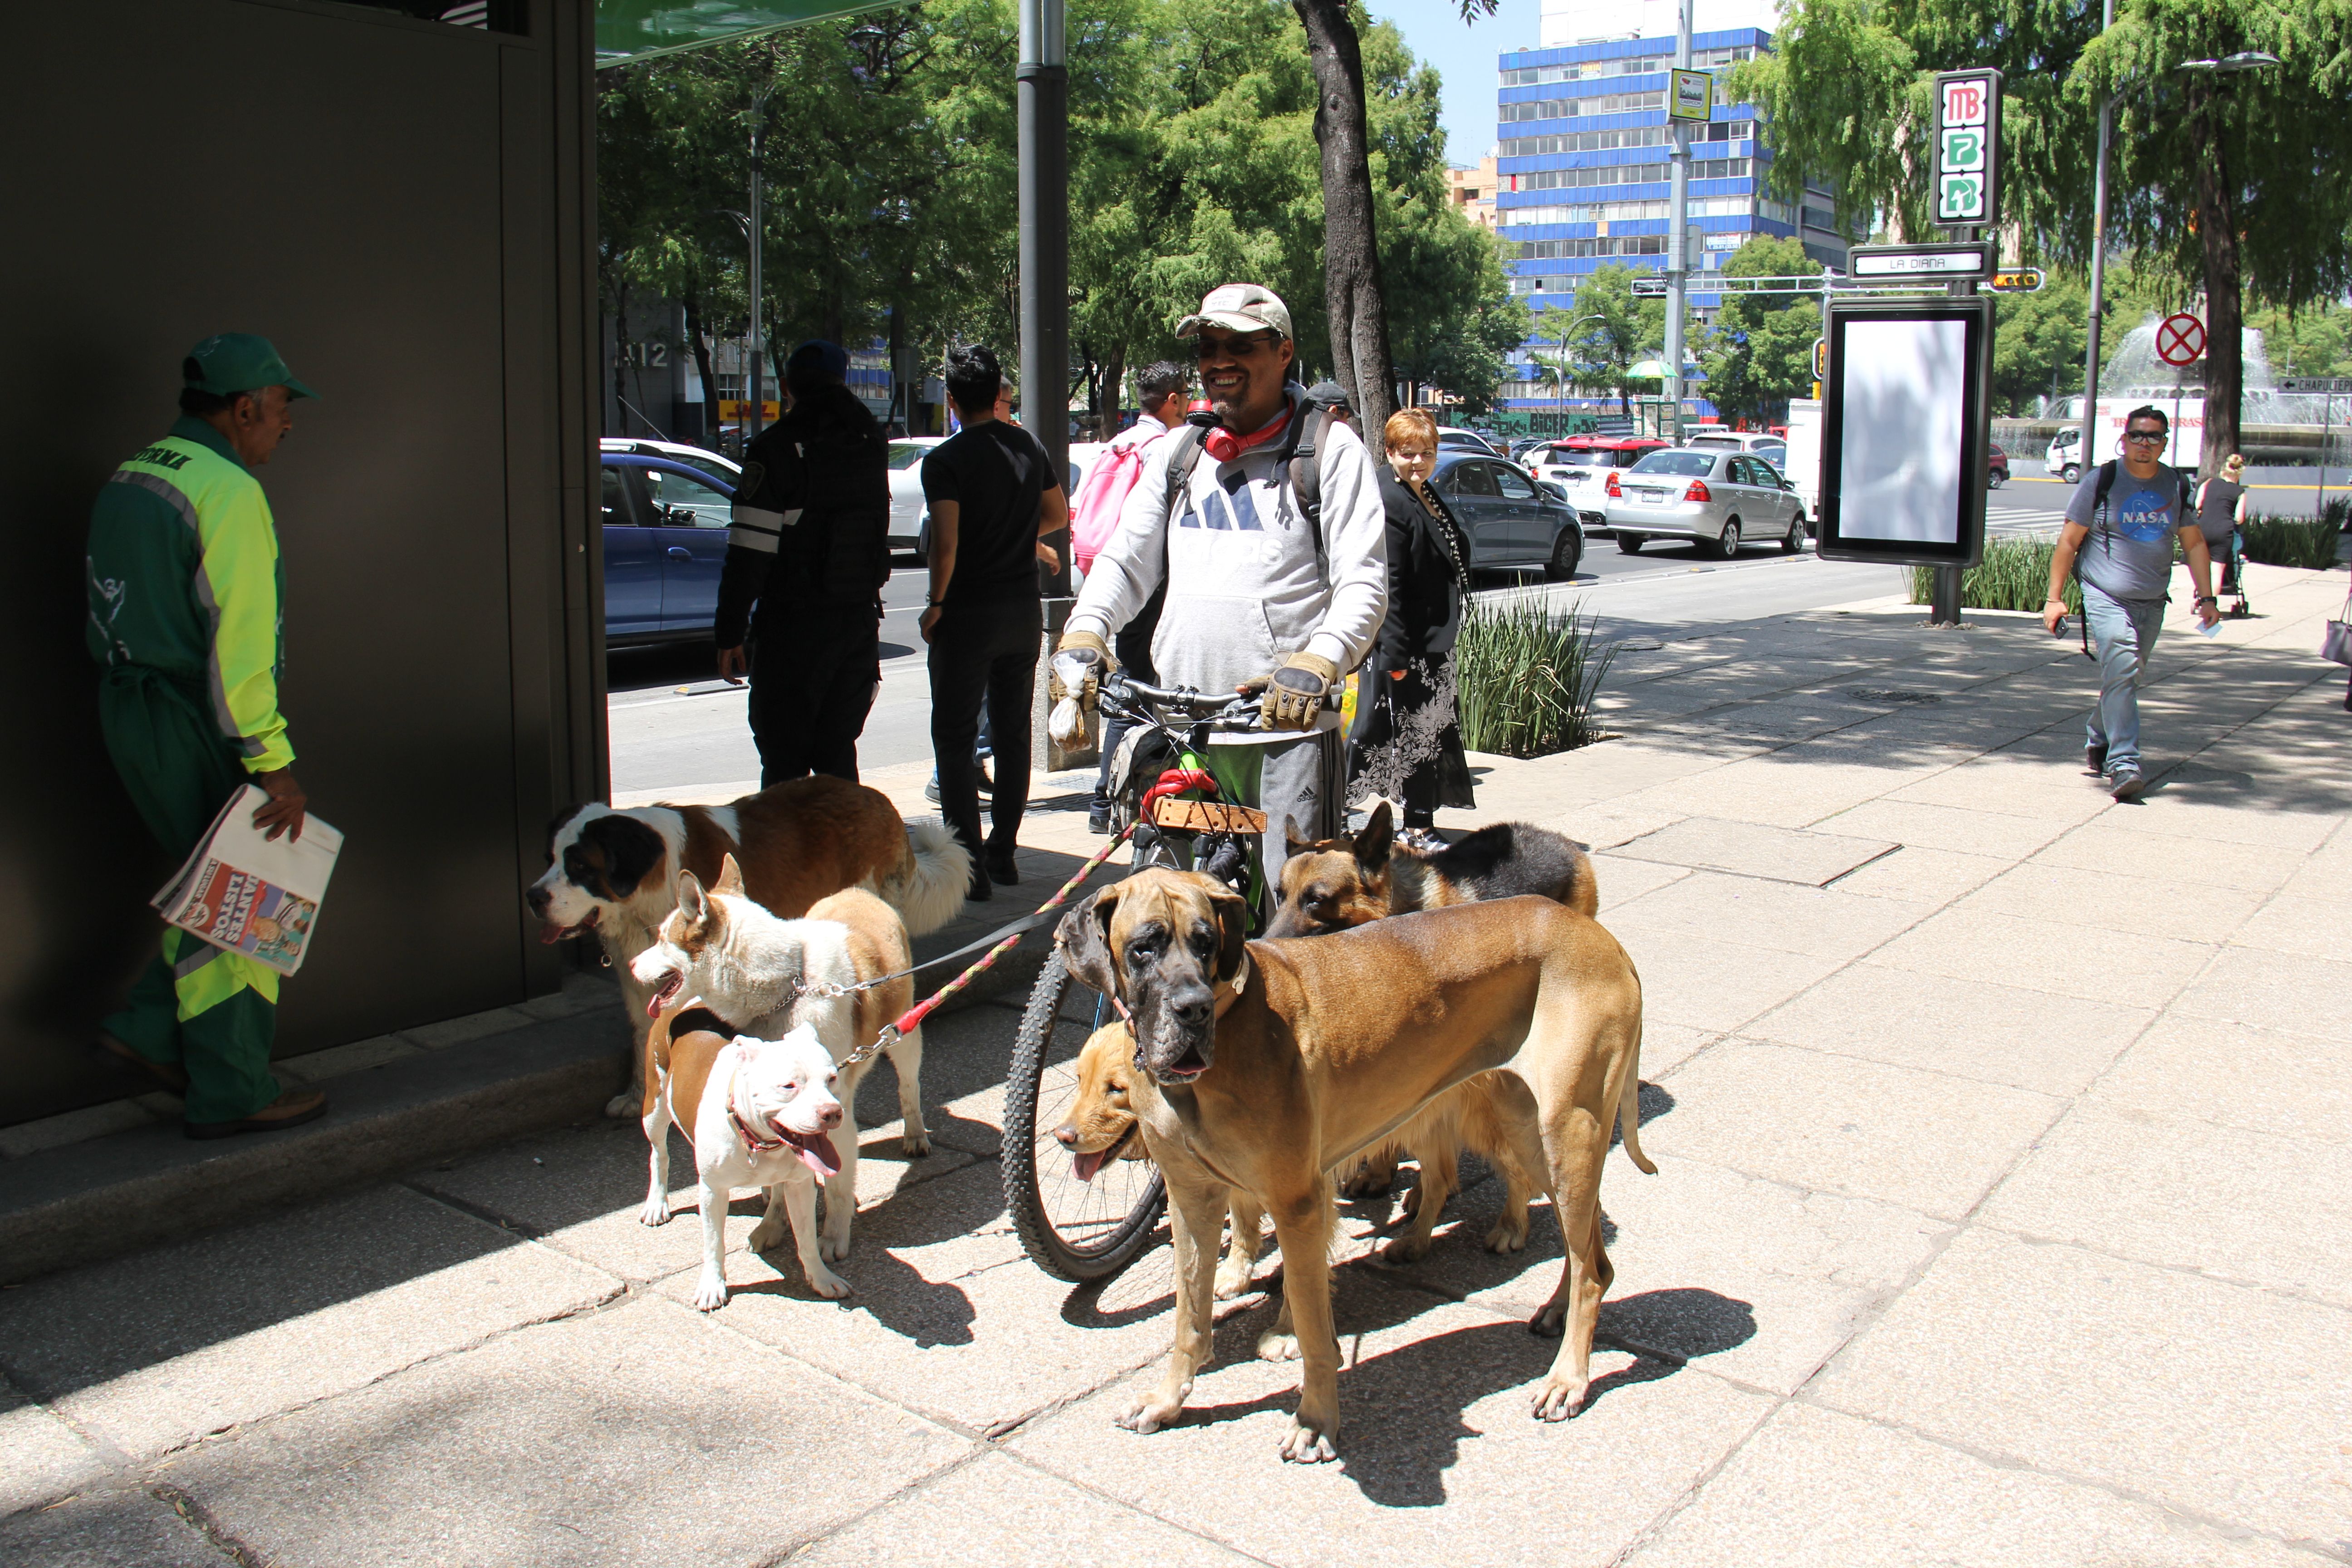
<point>2120,526</point>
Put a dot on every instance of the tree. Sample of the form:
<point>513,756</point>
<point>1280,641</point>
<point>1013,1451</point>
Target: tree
<point>1351,257</point>
<point>1629,330</point>
<point>2230,184</point>
<point>2224,177</point>
<point>1760,351</point>
<point>2038,343</point>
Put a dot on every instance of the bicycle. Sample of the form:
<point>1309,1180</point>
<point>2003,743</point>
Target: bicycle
<point>1079,1230</point>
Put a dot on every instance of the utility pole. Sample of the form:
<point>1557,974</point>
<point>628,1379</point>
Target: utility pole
<point>1043,81</point>
<point>2099,261</point>
<point>1678,235</point>
<point>758,341</point>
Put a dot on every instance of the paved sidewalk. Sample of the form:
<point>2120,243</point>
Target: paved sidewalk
<point>2005,1149</point>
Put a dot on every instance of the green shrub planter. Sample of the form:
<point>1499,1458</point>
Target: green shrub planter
<point>2013,575</point>
<point>1525,679</point>
<point>2306,542</point>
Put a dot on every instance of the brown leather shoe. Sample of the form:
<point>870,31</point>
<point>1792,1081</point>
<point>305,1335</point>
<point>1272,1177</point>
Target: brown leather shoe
<point>173,1078</point>
<point>291,1109</point>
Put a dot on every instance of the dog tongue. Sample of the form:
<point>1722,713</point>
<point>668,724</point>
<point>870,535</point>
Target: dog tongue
<point>552,933</point>
<point>1084,1166</point>
<point>817,1154</point>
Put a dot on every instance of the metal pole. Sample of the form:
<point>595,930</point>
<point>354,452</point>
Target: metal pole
<point>1043,81</point>
<point>1944,596</point>
<point>1678,238</point>
<point>759,339</point>
<point>2099,261</point>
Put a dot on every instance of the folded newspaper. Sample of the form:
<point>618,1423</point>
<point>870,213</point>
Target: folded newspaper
<point>250,894</point>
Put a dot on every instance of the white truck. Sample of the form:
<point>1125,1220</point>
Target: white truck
<point>1803,465</point>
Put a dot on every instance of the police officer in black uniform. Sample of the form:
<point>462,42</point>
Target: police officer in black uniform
<point>809,545</point>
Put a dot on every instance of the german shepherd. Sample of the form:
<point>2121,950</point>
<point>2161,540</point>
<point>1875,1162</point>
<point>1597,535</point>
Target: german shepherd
<point>1339,883</point>
<point>1334,884</point>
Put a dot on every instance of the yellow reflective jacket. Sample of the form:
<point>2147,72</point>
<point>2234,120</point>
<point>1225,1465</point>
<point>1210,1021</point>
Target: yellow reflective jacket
<point>184,577</point>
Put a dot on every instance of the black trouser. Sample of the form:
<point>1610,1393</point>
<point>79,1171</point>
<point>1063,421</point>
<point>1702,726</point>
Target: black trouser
<point>1133,647</point>
<point>815,670</point>
<point>985,652</point>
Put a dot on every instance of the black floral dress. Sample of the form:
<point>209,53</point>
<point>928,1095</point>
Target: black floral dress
<point>1406,742</point>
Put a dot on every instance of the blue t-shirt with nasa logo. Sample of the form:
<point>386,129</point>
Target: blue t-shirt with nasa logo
<point>2130,552</point>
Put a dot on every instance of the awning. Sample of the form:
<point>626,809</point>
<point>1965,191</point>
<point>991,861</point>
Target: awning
<point>638,29</point>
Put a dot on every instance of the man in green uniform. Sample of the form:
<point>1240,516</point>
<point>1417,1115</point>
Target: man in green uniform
<point>185,588</point>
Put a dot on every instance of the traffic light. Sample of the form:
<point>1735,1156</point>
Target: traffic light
<point>2018,280</point>
<point>1821,360</point>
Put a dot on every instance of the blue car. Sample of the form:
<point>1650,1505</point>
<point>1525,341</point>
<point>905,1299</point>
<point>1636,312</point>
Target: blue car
<point>665,547</point>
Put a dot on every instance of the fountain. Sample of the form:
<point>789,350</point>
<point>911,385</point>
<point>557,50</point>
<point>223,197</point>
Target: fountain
<point>2134,372</point>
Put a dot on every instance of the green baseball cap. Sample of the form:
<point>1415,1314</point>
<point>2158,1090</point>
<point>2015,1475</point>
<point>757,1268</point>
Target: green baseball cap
<point>229,363</point>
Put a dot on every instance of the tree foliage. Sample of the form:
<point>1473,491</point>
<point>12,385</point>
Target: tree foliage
<point>1599,353</point>
<point>890,169</point>
<point>1759,350</point>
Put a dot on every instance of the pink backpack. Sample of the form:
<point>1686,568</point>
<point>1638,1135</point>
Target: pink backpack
<point>1101,492</point>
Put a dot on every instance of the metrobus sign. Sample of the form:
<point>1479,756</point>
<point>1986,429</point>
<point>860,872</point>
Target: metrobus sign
<point>1967,149</point>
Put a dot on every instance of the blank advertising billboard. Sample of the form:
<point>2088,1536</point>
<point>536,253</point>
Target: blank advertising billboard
<point>1904,446</point>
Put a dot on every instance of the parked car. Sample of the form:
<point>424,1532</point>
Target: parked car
<point>1996,467</point>
<point>1450,439</point>
<point>723,468</point>
<point>1722,499</point>
<point>907,489</point>
<point>1773,449</point>
<point>2064,456</point>
<point>1580,465</point>
<point>1508,519</point>
<point>665,547</point>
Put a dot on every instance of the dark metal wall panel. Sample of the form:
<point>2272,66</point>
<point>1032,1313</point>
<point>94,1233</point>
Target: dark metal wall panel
<point>387,200</point>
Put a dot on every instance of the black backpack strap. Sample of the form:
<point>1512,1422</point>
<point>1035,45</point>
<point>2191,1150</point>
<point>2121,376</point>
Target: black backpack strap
<point>1308,425</point>
<point>1181,462</point>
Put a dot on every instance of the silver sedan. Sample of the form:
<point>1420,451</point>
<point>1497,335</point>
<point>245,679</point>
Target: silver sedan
<point>1722,499</point>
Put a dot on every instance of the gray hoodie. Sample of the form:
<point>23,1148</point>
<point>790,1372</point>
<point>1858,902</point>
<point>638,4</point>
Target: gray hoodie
<point>1246,588</point>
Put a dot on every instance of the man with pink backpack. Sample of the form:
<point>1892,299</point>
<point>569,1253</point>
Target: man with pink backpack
<point>1101,497</point>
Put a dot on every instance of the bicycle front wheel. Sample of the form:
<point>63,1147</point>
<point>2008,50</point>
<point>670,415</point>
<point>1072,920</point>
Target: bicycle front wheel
<point>1072,1229</point>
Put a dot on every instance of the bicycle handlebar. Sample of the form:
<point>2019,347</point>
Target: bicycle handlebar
<point>1240,712</point>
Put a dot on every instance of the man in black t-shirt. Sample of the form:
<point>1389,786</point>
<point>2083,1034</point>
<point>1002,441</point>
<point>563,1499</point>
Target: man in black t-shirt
<point>991,497</point>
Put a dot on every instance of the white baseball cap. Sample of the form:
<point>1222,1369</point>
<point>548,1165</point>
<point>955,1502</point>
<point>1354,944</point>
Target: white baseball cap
<point>1238,308</point>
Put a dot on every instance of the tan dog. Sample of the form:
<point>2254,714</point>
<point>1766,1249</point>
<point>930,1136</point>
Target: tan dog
<point>1338,884</point>
<point>1103,1127</point>
<point>1266,1065</point>
<point>768,976</point>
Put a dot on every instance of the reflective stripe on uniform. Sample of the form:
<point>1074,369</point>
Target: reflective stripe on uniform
<point>753,528</point>
<point>205,977</point>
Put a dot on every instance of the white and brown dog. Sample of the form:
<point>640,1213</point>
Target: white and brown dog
<point>761,1113</point>
<point>767,976</point>
<point>615,872</point>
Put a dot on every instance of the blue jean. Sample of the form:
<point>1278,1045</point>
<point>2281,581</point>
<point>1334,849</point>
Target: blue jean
<point>2123,632</point>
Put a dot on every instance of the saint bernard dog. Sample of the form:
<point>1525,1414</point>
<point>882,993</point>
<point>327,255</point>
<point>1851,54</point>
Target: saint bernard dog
<point>615,872</point>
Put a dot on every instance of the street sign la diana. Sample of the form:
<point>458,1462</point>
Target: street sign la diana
<point>2180,340</point>
<point>2019,280</point>
<point>1947,263</point>
<point>1967,148</point>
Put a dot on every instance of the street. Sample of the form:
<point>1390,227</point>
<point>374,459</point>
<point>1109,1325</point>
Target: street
<point>675,726</point>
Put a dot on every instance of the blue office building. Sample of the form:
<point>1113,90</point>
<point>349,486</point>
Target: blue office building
<point>1581,167</point>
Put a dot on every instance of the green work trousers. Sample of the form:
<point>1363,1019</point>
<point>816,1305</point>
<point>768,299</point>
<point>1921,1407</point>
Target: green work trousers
<point>210,1012</point>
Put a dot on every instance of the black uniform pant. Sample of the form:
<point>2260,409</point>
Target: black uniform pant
<point>815,670</point>
<point>984,653</point>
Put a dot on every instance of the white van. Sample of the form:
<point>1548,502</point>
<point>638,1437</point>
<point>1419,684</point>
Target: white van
<point>2064,458</point>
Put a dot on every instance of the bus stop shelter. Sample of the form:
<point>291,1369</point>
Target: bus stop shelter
<point>401,196</point>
